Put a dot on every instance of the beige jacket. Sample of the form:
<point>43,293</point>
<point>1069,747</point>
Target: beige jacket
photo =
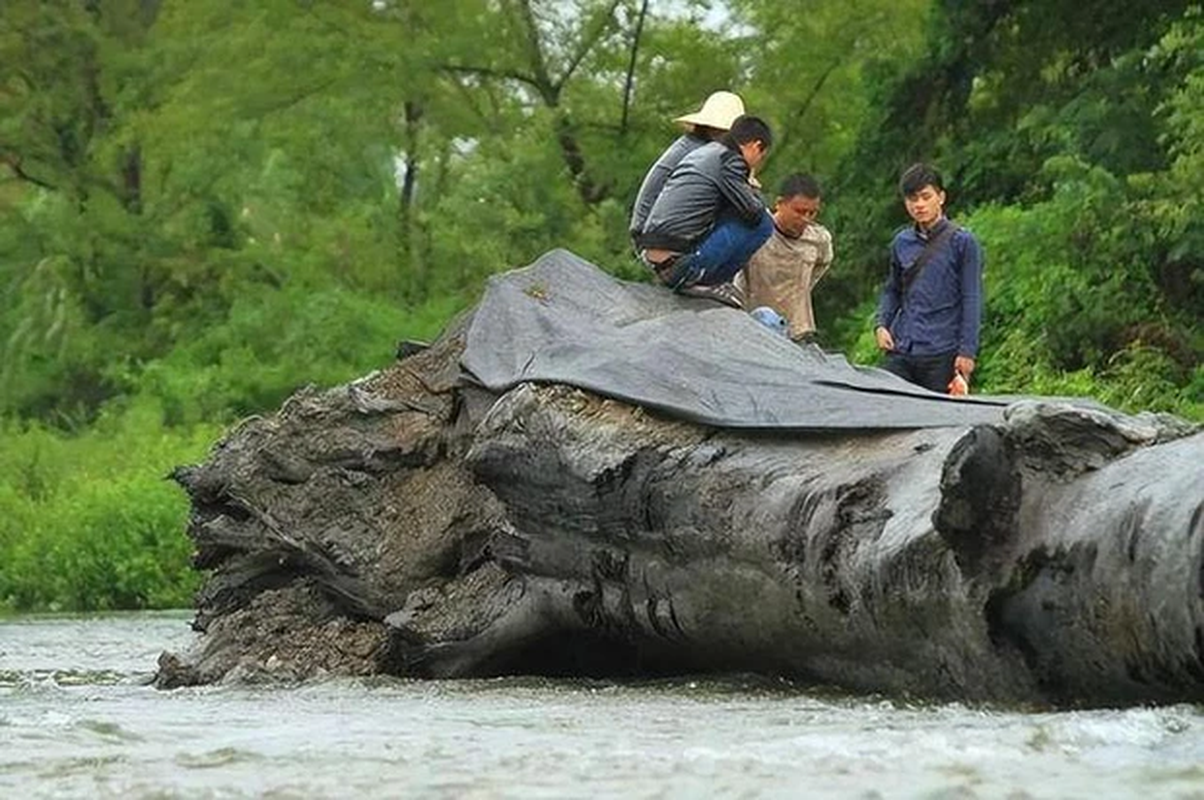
<point>783,272</point>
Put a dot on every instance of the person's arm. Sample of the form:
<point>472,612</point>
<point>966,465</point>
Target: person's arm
<point>971,302</point>
<point>888,304</point>
<point>824,262</point>
<point>734,186</point>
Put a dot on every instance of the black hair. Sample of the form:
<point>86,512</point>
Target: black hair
<point>708,132</point>
<point>800,184</point>
<point>917,176</point>
<point>747,128</point>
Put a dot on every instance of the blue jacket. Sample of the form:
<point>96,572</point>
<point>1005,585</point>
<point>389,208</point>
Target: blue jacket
<point>942,310</point>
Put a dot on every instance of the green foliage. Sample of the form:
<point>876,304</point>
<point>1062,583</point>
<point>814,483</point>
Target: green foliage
<point>277,341</point>
<point>1073,149</point>
<point>90,522</point>
<point>112,545</point>
<point>1071,307</point>
<point>808,71</point>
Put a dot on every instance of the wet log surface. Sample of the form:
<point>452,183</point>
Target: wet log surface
<point>413,523</point>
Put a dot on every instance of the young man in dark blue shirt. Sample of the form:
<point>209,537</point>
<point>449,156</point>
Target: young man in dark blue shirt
<point>931,307</point>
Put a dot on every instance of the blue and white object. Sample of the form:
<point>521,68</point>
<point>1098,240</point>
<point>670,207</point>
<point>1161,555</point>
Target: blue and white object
<point>770,319</point>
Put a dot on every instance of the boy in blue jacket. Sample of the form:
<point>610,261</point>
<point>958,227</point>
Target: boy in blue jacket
<point>930,310</point>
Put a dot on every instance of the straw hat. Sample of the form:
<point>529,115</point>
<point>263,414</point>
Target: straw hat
<point>719,111</point>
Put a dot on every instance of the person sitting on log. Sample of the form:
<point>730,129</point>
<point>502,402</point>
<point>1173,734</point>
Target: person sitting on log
<point>931,306</point>
<point>708,220</point>
<point>705,125</point>
<point>783,272</point>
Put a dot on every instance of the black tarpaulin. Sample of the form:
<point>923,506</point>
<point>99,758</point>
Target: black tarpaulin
<point>563,320</point>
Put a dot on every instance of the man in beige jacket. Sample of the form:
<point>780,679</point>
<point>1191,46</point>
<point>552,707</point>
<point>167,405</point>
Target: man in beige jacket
<point>782,274</point>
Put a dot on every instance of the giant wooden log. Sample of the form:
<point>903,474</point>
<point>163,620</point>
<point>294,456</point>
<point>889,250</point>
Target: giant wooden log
<point>416,523</point>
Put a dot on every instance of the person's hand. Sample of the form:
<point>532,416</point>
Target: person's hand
<point>964,365</point>
<point>886,341</point>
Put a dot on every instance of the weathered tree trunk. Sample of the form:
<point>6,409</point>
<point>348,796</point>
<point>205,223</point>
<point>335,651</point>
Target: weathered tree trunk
<point>414,523</point>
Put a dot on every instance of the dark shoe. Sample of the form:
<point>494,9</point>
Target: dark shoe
<point>683,273</point>
<point>663,268</point>
<point>725,293</point>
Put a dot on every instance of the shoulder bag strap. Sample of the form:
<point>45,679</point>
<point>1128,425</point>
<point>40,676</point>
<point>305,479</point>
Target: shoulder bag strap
<point>909,276</point>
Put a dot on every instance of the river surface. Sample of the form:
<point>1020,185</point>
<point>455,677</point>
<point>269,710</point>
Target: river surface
<point>78,720</point>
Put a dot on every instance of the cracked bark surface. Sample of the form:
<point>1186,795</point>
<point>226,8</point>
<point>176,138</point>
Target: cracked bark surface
<point>412,523</point>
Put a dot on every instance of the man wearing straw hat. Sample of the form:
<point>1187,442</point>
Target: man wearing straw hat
<point>702,126</point>
<point>708,219</point>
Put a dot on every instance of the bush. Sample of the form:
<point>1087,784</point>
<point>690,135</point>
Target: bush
<point>104,545</point>
<point>277,341</point>
<point>1071,308</point>
<point>89,522</point>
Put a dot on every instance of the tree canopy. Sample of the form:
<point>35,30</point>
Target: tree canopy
<point>215,203</point>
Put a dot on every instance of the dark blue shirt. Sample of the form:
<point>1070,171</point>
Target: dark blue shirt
<point>942,309</point>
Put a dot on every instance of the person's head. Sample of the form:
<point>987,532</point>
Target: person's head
<point>923,194</point>
<point>752,137</point>
<point>798,204</point>
<point>715,117</point>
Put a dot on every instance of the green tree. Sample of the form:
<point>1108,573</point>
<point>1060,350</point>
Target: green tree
<point>1075,129</point>
<point>807,66</point>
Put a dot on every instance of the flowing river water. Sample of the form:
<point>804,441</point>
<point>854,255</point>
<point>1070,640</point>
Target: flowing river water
<point>78,720</point>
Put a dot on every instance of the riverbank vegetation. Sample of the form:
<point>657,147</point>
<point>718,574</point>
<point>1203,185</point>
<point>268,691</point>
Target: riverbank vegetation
<point>204,207</point>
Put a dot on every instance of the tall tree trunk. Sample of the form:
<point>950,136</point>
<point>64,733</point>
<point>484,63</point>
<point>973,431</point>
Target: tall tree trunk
<point>414,523</point>
<point>412,117</point>
<point>411,235</point>
<point>131,180</point>
<point>629,79</point>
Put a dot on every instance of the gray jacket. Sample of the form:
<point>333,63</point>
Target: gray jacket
<point>654,181</point>
<point>709,182</point>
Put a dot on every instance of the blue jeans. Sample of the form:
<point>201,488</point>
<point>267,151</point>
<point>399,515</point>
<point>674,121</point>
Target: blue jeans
<point>722,254</point>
